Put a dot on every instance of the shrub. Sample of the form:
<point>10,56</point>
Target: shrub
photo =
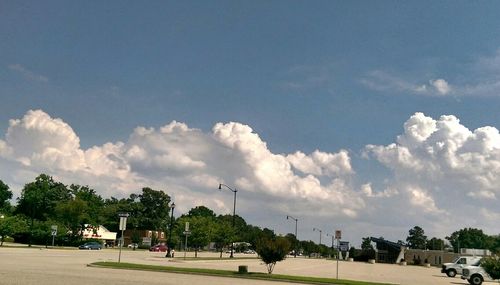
<point>272,250</point>
<point>492,266</point>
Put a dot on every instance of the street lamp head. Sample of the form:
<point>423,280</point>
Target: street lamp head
<point>173,205</point>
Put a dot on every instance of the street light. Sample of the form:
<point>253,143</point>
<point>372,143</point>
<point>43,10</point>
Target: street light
<point>169,241</point>
<point>296,239</point>
<point>320,233</point>
<point>234,212</point>
<point>333,237</point>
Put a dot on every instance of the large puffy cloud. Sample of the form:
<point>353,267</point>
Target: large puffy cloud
<point>187,163</point>
<point>445,170</point>
<point>42,142</point>
<point>440,174</point>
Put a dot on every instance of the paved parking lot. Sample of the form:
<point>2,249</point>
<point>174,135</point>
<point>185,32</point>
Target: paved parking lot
<point>60,266</point>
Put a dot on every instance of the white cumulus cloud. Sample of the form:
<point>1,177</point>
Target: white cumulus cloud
<point>440,174</point>
<point>444,168</point>
<point>186,162</point>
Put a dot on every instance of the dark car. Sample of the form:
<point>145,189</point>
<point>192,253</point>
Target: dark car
<point>158,248</point>
<point>91,245</point>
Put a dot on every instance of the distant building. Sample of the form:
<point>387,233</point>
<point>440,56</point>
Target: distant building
<point>146,237</point>
<point>388,251</point>
<point>433,257</point>
<point>99,233</point>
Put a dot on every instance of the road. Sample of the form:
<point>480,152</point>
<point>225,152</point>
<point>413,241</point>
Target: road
<point>39,266</point>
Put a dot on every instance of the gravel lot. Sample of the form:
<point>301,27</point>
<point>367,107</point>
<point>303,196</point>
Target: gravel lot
<point>42,266</point>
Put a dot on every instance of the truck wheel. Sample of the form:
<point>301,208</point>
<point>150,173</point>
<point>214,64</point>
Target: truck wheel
<point>451,273</point>
<point>476,279</point>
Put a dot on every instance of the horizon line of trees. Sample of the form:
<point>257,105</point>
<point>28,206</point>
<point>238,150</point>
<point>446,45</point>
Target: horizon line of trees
<point>46,202</point>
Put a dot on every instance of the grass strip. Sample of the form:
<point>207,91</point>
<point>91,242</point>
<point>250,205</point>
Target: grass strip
<point>233,274</point>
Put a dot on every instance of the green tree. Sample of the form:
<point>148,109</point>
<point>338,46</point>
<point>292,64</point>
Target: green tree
<point>73,214</point>
<point>416,238</point>
<point>308,247</point>
<point>435,244</point>
<point>155,208</point>
<point>223,234</point>
<point>367,250</point>
<point>113,206</point>
<point>272,251</point>
<point>470,238</point>
<point>10,226</point>
<point>5,196</point>
<point>39,199</point>
<point>292,239</point>
<point>495,247</point>
<point>201,211</point>
<point>492,266</point>
<point>94,203</point>
<point>202,231</point>
<point>366,244</point>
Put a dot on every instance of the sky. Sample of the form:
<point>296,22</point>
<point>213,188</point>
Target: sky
<point>369,117</point>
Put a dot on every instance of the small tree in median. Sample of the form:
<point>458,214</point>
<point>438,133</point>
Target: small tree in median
<point>272,250</point>
<point>492,267</point>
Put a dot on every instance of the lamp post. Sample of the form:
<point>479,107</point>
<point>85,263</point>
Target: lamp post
<point>169,241</point>
<point>320,233</point>
<point>296,239</point>
<point>234,212</point>
<point>333,237</point>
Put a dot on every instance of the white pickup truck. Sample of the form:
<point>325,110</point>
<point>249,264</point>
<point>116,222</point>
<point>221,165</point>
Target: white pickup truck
<point>475,275</point>
<point>454,268</point>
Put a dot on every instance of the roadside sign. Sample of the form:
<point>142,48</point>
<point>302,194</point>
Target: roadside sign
<point>53,230</point>
<point>338,234</point>
<point>344,246</point>
<point>123,221</point>
<point>187,227</point>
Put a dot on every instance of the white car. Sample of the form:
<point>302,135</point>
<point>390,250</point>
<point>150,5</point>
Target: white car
<point>475,275</point>
<point>455,267</point>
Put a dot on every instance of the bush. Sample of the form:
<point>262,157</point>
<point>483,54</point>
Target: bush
<point>492,266</point>
<point>362,255</point>
<point>272,250</point>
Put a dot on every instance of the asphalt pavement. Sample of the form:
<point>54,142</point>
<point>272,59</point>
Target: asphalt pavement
<point>40,266</point>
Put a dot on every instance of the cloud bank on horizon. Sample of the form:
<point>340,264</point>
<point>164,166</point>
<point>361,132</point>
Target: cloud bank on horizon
<point>442,175</point>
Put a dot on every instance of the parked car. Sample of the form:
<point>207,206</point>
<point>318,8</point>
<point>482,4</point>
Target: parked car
<point>133,245</point>
<point>475,275</point>
<point>91,245</point>
<point>454,268</point>
<point>158,248</point>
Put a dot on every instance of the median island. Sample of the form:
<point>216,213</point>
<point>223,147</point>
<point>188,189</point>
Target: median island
<point>232,274</point>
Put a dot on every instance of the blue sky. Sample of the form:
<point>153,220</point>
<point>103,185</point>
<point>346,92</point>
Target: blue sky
<point>305,76</point>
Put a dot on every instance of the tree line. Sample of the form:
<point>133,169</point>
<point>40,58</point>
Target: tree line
<point>46,202</point>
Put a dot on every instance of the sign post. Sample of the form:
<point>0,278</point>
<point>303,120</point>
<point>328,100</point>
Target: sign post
<point>54,233</point>
<point>123,227</point>
<point>338,236</point>
<point>186,233</point>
